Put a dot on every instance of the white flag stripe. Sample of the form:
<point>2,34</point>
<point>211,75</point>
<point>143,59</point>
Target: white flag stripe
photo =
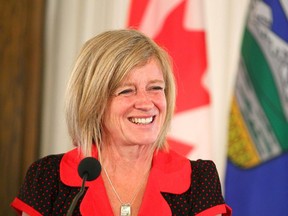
<point>194,17</point>
<point>152,24</point>
<point>193,127</point>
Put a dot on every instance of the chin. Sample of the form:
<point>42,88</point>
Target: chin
<point>149,142</point>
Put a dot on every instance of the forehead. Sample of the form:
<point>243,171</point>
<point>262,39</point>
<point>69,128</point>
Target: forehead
<point>150,71</point>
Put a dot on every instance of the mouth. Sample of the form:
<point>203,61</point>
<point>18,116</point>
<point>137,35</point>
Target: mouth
<point>143,121</point>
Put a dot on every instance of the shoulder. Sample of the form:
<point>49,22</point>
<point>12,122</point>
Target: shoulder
<point>205,185</point>
<point>40,185</point>
<point>203,168</point>
<point>48,165</point>
<point>204,194</point>
<point>206,164</point>
<point>44,169</point>
<point>50,160</point>
<point>204,177</point>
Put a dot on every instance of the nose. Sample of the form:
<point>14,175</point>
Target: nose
<point>143,101</point>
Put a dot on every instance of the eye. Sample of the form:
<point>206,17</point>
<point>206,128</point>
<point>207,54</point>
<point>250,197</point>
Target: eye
<point>156,88</point>
<point>127,91</point>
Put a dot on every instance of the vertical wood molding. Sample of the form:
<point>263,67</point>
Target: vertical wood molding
<point>21,43</point>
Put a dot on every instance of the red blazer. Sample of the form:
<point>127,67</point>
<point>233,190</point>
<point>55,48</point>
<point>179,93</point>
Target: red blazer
<point>176,186</point>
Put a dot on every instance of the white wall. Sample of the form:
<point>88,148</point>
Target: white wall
<point>69,23</point>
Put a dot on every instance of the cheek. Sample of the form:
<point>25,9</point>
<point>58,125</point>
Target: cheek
<point>161,102</point>
<point>114,110</point>
<point>163,107</point>
<point>109,116</point>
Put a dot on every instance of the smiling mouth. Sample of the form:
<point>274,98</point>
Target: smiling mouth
<point>142,120</point>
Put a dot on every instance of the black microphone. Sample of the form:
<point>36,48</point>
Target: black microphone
<point>89,169</point>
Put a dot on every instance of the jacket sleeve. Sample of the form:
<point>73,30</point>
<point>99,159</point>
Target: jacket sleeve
<point>39,189</point>
<point>206,190</point>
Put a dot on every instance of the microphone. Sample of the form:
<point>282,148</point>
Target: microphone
<point>89,169</point>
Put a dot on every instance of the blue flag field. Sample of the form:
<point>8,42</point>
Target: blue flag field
<point>256,181</point>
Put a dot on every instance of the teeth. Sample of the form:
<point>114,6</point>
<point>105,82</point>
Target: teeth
<point>142,120</point>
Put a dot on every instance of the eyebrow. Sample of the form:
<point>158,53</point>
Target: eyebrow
<point>157,81</point>
<point>150,82</point>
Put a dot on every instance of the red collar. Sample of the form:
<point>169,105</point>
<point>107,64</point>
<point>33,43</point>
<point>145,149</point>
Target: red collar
<point>170,173</point>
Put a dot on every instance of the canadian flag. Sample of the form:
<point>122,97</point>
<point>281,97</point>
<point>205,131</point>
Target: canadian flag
<point>178,26</point>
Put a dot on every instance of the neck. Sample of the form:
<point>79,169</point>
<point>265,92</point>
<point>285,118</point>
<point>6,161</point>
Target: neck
<point>127,169</point>
<point>126,157</point>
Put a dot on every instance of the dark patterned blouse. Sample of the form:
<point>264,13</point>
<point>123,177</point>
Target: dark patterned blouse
<point>176,186</point>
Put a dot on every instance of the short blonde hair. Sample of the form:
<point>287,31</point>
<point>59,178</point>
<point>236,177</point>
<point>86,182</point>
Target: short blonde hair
<point>102,64</point>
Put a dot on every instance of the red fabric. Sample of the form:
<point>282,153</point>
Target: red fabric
<point>223,210</point>
<point>20,207</point>
<point>188,50</point>
<point>137,8</point>
<point>169,187</point>
<point>166,170</point>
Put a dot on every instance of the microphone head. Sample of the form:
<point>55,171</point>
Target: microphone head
<point>89,166</point>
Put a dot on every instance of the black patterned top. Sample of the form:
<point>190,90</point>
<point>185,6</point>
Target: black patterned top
<point>176,186</point>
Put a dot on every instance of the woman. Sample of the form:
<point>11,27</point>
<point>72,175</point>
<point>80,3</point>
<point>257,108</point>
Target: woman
<point>120,101</point>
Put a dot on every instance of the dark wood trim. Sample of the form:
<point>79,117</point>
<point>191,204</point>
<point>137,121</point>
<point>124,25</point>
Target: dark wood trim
<point>21,59</point>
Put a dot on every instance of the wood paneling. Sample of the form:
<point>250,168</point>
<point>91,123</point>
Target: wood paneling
<point>21,43</point>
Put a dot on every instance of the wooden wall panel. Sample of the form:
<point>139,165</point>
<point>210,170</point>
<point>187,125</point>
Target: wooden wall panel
<point>21,43</point>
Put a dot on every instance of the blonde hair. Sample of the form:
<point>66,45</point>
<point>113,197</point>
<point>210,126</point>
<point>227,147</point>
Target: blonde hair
<point>102,64</point>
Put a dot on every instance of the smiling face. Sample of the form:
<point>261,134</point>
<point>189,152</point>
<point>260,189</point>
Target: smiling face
<point>137,110</point>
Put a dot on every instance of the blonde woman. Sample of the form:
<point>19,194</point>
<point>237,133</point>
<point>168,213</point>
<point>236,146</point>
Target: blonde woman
<point>120,102</point>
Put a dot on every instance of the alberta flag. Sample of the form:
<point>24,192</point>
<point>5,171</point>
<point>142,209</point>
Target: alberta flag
<point>177,25</point>
<point>257,171</point>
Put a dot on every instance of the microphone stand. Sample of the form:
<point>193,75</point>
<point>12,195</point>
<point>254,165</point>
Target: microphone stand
<point>78,196</point>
